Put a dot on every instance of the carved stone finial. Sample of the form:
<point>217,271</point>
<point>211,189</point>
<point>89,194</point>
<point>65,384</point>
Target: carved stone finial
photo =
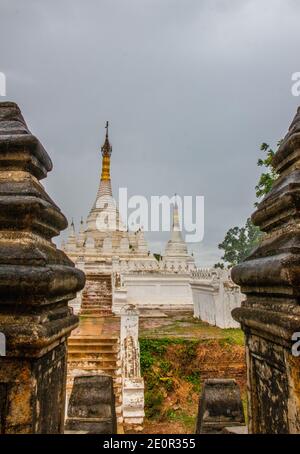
<point>270,316</point>
<point>36,282</point>
<point>106,147</point>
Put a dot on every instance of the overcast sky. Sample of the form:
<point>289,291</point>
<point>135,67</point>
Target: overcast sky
<point>191,89</point>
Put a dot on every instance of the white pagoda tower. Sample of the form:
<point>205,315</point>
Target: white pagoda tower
<point>103,235</point>
<point>102,245</point>
<point>176,251</point>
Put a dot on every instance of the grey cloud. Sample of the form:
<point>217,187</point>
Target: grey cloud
<point>191,90</point>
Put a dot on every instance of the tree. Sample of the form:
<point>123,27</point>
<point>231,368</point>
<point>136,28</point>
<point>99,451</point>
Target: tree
<point>240,241</point>
<point>268,177</point>
<point>220,265</point>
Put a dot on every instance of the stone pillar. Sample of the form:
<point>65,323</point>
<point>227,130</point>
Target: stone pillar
<point>270,316</point>
<point>36,282</point>
<point>133,383</point>
<point>91,407</point>
<point>220,406</point>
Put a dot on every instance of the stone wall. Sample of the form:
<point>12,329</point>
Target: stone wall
<point>158,291</point>
<point>214,297</point>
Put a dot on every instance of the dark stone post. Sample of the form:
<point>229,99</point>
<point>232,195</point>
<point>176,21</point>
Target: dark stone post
<point>36,282</point>
<point>92,405</point>
<point>270,316</point>
<point>220,406</point>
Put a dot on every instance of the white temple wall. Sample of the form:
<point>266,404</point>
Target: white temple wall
<point>204,303</point>
<point>164,291</point>
<point>214,297</point>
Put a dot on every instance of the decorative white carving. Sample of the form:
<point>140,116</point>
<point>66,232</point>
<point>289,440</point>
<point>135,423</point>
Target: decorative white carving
<point>133,384</point>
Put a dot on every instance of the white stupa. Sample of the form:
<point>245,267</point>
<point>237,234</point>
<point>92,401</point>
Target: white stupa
<point>104,235</point>
<point>176,248</point>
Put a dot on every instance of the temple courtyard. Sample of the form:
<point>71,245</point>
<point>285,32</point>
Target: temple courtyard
<point>177,353</point>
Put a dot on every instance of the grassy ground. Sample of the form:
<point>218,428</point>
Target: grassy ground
<point>177,353</point>
<point>185,326</point>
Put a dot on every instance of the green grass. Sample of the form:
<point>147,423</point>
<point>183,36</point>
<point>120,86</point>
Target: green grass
<point>169,353</point>
<point>182,417</point>
<point>188,327</point>
<point>234,336</point>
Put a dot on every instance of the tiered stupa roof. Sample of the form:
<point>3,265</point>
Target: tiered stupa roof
<point>105,233</point>
<point>176,248</point>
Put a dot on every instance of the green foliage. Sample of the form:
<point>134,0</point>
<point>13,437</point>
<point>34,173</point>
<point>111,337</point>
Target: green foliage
<point>219,265</point>
<point>239,242</point>
<point>165,366</point>
<point>147,359</point>
<point>234,338</point>
<point>167,363</point>
<point>159,373</point>
<point>180,416</point>
<point>157,256</point>
<point>149,348</point>
<point>268,177</point>
<point>168,383</point>
<point>153,403</point>
<point>194,379</point>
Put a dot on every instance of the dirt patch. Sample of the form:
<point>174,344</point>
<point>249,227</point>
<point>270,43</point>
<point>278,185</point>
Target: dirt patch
<point>177,354</point>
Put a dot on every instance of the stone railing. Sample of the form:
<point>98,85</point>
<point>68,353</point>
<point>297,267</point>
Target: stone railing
<point>211,273</point>
<point>204,273</point>
<point>146,266</point>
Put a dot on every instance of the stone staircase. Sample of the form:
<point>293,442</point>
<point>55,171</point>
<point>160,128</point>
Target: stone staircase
<point>97,295</point>
<point>99,355</point>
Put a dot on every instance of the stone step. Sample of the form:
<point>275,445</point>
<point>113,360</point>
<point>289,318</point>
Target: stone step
<point>108,351</point>
<point>97,302</point>
<point>111,356</point>
<point>93,348</point>
<point>93,344</point>
<point>94,311</point>
<point>87,358</point>
<point>91,367</point>
<point>94,307</point>
<point>92,339</point>
<point>96,358</point>
<point>97,296</point>
<point>96,314</point>
<point>87,340</point>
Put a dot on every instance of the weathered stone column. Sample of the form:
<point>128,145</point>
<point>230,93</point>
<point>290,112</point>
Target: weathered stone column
<point>133,383</point>
<point>270,278</point>
<point>36,282</point>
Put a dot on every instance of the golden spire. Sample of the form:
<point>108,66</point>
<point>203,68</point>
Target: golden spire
<point>106,150</point>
